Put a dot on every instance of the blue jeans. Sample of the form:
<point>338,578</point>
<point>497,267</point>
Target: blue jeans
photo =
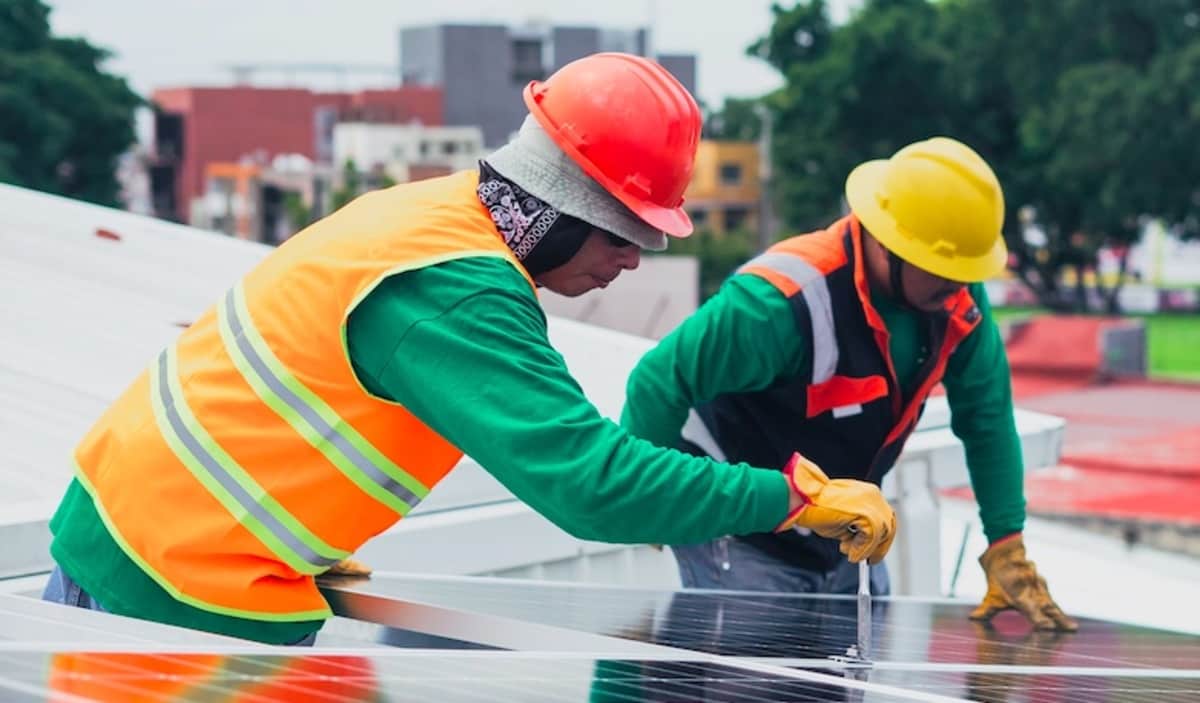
<point>63,589</point>
<point>732,564</point>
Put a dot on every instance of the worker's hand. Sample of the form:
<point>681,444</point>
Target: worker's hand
<point>349,567</point>
<point>1014,583</point>
<point>852,512</point>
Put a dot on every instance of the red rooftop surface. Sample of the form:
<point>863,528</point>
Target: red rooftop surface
<point>1132,446</point>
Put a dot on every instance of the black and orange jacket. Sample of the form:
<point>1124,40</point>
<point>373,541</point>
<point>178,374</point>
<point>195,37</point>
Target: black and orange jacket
<point>845,410</point>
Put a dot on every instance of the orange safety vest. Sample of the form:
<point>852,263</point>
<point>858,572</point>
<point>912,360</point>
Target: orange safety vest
<point>248,457</point>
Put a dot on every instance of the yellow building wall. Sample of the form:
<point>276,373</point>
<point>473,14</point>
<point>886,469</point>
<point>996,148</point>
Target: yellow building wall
<point>724,179</point>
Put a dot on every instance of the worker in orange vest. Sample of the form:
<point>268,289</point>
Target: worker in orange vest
<point>840,336</point>
<point>332,387</point>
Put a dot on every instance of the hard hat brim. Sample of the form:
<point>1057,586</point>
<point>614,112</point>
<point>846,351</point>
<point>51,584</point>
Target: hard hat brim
<point>673,221</point>
<point>862,185</point>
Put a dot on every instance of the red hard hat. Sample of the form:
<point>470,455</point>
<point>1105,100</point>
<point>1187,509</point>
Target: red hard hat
<point>630,125</point>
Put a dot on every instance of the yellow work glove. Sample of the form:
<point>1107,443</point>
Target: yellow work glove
<point>1014,583</point>
<point>853,512</point>
<point>349,567</point>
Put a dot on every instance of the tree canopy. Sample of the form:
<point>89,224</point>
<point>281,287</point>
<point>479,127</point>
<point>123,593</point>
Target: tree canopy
<point>63,119</point>
<point>1087,110</point>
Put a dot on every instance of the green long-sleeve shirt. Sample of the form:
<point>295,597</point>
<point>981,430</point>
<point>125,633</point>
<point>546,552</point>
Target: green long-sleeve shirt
<point>751,321</point>
<point>463,345</point>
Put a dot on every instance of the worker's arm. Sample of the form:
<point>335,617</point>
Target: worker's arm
<point>979,391</point>
<point>742,339</point>
<point>463,346</point>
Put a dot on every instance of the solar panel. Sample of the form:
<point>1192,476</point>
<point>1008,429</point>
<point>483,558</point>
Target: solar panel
<point>407,675</point>
<point>26,621</point>
<point>1046,687</point>
<point>792,627</point>
<point>637,644</point>
<point>27,675</point>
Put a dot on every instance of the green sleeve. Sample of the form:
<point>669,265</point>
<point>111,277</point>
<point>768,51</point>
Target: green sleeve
<point>742,339</point>
<point>463,346</point>
<point>979,390</point>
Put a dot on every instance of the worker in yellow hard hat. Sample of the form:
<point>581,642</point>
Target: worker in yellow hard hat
<point>829,344</point>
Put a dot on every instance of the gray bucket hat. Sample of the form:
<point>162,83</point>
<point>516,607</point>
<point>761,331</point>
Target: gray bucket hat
<point>534,162</point>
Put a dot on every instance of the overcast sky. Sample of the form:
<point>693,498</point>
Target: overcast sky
<point>161,43</point>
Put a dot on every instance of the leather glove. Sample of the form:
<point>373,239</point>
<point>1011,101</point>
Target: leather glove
<point>853,512</point>
<point>1014,583</point>
<point>349,567</point>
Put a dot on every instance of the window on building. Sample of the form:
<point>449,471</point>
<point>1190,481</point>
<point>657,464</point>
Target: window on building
<point>527,61</point>
<point>731,174</point>
<point>168,136</point>
<point>449,148</point>
<point>736,218</point>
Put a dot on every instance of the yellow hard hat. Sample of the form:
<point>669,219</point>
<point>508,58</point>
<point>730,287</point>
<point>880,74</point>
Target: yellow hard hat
<point>937,205</point>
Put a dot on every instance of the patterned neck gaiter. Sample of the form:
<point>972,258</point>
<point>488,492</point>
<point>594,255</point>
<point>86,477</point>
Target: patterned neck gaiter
<point>522,219</point>
<point>540,236</point>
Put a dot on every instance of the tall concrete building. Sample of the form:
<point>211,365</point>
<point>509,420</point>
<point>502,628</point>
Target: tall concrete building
<point>482,69</point>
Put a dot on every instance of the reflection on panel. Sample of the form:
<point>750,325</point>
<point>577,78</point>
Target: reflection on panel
<point>442,677</point>
<point>510,676</point>
<point>794,627</point>
<point>1004,687</point>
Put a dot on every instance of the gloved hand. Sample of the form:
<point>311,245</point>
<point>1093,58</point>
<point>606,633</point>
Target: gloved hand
<point>1014,583</point>
<point>852,512</point>
<point>349,567</point>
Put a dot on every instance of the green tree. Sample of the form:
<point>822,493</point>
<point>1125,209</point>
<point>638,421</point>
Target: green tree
<point>1087,128</point>
<point>1087,109</point>
<point>298,214</point>
<point>735,121</point>
<point>63,119</point>
<point>719,255</point>
<point>352,186</point>
<point>852,93</point>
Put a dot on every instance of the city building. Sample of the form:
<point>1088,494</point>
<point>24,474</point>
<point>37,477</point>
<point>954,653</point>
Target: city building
<point>195,127</point>
<point>725,193</point>
<point>406,152</point>
<point>263,202</point>
<point>482,69</point>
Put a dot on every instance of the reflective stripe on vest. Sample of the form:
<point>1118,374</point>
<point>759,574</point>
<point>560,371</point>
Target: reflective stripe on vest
<point>228,482</point>
<point>815,290</point>
<point>311,417</point>
<point>249,503</point>
<point>249,456</point>
<point>811,283</point>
